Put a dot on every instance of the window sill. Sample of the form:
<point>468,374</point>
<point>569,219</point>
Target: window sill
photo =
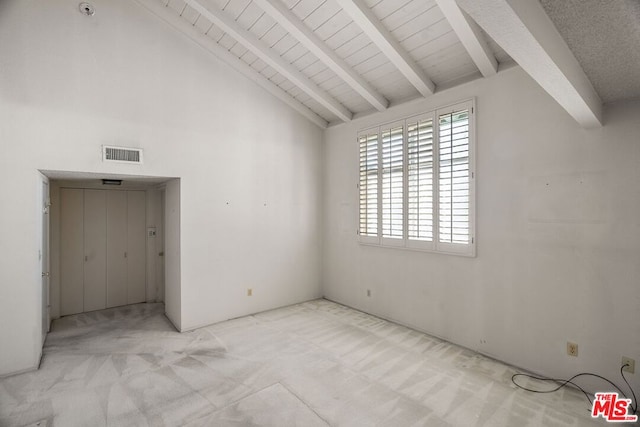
<point>471,253</point>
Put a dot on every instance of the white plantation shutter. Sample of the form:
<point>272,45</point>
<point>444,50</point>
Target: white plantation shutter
<point>420,161</point>
<point>417,183</point>
<point>368,184</point>
<point>454,177</point>
<point>392,139</point>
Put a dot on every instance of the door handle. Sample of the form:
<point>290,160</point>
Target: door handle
<point>86,258</point>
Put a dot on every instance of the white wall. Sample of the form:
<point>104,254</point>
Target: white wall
<point>71,83</point>
<point>558,236</point>
<point>155,282</point>
<point>173,291</point>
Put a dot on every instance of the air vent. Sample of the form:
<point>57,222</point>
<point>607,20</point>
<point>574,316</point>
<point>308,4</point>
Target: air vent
<point>121,154</point>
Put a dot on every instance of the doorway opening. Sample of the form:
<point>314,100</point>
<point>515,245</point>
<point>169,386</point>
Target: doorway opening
<point>107,242</point>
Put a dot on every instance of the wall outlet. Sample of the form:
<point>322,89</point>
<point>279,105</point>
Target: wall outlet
<point>368,292</point>
<point>628,361</point>
<point>572,349</point>
<point>249,292</point>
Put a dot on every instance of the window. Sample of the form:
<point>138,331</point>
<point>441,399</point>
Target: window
<point>392,143</point>
<point>368,184</point>
<point>417,180</point>
<point>420,178</point>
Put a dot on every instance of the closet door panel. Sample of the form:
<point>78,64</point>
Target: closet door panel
<point>71,251</point>
<point>95,250</point>
<point>116,248</point>
<point>136,247</point>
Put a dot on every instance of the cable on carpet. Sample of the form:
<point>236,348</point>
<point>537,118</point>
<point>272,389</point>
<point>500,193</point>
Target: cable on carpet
<point>563,383</point>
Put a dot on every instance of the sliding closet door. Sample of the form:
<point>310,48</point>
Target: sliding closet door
<point>95,249</point>
<point>116,248</point>
<point>136,246</point>
<point>71,251</point>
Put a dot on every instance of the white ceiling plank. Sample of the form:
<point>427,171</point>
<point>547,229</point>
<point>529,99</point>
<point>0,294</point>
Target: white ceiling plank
<point>190,15</point>
<point>259,65</point>
<point>425,35</point>
<point>411,14</point>
<point>386,8</point>
<point>336,23</point>
<point>235,8</point>
<point>418,25</point>
<point>526,33</point>
<point>343,35</point>
<point>304,8</point>
<point>262,26</point>
<point>366,19</point>
<point>249,16</point>
<point>177,5</point>
<point>302,62</point>
<point>349,46</point>
<point>285,44</point>
<point>321,14</point>
<point>317,47</point>
<point>227,41</point>
<point>261,50</point>
<point>182,26</point>
<point>471,37</point>
<point>425,49</point>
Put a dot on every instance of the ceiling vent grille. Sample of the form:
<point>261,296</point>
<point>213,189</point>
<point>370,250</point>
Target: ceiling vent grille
<point>121,154</point>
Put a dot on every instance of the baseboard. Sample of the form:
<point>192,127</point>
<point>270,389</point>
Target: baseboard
<point>26,370</point>
<point>193,328</point>
<point>174,324</point>
<point>422,331</point>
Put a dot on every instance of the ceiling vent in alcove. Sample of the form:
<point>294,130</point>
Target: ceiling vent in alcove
<point>121,154</point>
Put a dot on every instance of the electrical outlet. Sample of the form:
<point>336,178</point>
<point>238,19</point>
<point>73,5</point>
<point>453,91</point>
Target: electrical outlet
<point>249,292</point>
<point>368,292</point>
<point>628,361</point>
<point>572,349</point>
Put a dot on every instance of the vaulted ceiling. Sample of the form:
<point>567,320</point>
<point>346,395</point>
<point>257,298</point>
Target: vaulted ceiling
<point>604,36</point>
<point>334,60</point>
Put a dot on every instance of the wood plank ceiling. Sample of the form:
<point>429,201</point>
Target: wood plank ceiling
<point>334,59</point>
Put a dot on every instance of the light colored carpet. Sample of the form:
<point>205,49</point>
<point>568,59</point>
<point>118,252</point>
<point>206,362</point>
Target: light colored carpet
<point>311,364</point>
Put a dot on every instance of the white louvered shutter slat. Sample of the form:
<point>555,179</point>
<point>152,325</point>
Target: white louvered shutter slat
<point>392,139</point>
<point>368,184</point>
<point>420,179</point>
<point>454,177</point>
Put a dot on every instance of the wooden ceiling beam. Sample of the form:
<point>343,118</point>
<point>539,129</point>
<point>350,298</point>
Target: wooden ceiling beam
<point>269,56</point>
<point>381,37</point>
<point>523,29</point>
<point>290,22</point>
<point>471,37</point>
<point>174,20</point>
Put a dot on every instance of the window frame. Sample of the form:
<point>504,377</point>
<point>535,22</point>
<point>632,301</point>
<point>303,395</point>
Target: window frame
<point>370,239</point>
<point>415,243</point>
<point>435,245</point>
<point>384,240</point>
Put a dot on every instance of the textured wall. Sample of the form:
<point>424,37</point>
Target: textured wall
<point>250,166</point>
<point>558,236</point>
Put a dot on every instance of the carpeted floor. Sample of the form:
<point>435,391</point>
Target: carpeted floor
<point>311,364</point>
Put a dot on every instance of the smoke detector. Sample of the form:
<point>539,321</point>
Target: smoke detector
<point>87,9</point>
